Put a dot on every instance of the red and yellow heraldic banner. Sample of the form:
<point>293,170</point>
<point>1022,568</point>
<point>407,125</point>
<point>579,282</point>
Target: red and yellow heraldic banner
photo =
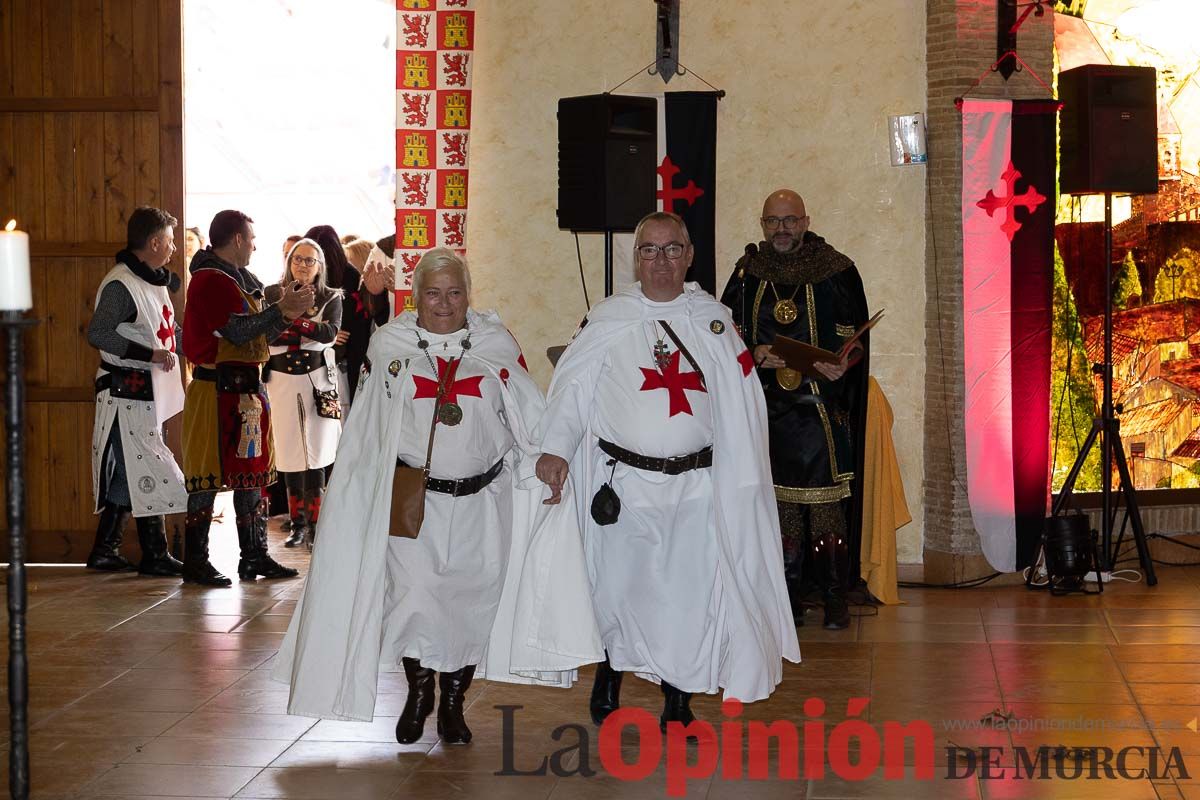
<point>434,50</point>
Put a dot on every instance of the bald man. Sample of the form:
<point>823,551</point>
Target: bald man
<point>794,284</point>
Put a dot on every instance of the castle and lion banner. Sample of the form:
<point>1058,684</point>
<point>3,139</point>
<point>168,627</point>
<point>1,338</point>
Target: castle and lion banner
<point>434,50</point>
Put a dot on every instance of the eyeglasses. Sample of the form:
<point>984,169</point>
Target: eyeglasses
<point>789,222</point>
<point>649,252</point>
<point>307,261</point>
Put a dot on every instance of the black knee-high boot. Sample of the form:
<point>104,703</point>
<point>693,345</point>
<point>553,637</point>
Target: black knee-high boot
<point>419,704</point>
<point>105,555</point>
<point>833,554</point>
<point>606,691</point>
<point>252,538</point>
<point>196,566</point>
<point>156,558</point>
<point>451,725</point>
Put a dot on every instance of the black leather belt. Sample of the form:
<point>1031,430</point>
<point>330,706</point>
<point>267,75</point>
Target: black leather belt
<point>125,382</point>
<point>701,459</point>
<point>464,486</point>
<point>231,378</point>
<point>297,362</point>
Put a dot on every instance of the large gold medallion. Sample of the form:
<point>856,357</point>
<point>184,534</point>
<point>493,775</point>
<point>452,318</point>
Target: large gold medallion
<point>786,312</point>
<point>788,378</point>
<point>450,414</point>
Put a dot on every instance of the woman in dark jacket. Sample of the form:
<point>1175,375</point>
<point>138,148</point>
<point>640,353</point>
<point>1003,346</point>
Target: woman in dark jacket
<point>362,308</point>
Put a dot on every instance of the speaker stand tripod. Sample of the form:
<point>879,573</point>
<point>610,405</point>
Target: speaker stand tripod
<point>1107,429</point>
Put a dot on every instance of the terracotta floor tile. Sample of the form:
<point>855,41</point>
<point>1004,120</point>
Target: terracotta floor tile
<point>204,724</point>
<point>213,752</point>
<point>881,631</point>
<point>1059,634</point>
<point>319,784</point>
<point>162,779</point>
<point>377,756</point>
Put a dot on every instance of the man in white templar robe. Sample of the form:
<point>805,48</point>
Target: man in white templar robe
<point>687,583</point>
<point>495,585</point>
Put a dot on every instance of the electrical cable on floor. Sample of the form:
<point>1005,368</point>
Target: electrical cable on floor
<point>968,584</point>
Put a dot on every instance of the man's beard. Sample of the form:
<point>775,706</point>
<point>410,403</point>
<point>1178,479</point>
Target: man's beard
<point>790,244</point>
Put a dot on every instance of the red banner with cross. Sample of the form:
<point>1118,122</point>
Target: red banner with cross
<point>434,49</point>
<point>1008,163</point>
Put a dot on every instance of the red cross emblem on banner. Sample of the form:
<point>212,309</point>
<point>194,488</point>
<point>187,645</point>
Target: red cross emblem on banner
<point>1030,199</point>
<point>469,387</point>
<point>670,193</point>
<point>674,382</point>
<point>166,331</point>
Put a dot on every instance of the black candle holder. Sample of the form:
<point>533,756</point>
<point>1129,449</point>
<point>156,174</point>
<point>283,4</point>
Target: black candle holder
<point>14,324</point>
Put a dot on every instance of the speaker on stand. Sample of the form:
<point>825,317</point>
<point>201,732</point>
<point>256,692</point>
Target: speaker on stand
<point>1109,144</point>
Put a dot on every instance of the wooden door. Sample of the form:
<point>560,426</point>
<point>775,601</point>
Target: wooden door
<point>91,126</point>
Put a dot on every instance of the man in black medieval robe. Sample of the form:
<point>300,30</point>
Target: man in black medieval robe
<point>794,284</point>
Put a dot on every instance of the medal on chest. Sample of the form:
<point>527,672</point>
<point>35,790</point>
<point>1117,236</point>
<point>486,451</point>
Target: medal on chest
<point>446,389</point>
<point>786,311</point>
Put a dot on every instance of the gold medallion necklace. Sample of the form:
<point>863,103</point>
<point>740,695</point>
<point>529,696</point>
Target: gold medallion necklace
<point>785,311</point>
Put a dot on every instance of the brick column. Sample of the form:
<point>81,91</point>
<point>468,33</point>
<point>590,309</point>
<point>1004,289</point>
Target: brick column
<point>960,42</point>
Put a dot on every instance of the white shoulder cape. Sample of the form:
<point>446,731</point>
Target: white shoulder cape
<point>544,628</point>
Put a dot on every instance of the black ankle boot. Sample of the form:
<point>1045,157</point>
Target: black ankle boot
<point>105,555</point>
<point>676,707</point>
<point>450,723</point>
<point>252,537</point>
<point>833,551</point>
<point>156,558</point>
<point>606,691</point>
<point>418,706</point>
<point>196,566</point>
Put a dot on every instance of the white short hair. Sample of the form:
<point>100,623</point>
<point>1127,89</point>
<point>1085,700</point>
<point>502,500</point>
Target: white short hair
<point>439,259</point>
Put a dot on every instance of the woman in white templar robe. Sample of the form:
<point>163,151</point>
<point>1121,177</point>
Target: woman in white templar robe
<point>495,584</point>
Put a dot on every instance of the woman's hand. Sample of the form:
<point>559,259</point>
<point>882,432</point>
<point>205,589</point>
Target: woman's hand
<point>378,278</point>
<point>342,337</point>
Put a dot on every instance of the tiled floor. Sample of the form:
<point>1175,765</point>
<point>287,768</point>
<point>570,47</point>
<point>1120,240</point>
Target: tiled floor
<point>142,688</point>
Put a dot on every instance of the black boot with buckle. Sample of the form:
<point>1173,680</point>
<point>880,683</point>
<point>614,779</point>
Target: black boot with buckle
<point>451,726</point>
<point>252,538</point>
<point>156,558</point>
<point>676,707</point>
<point>419,705</point>
<point>196,566</point>
<point>606,691</point>
<point>106,555</point>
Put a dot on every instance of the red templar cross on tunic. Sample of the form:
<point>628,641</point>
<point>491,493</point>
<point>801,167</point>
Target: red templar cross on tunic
<point>669,193</point>
<point>674,382</point>
<point>1030,199</point>
<point>166,331</point>
<point>467,386</point>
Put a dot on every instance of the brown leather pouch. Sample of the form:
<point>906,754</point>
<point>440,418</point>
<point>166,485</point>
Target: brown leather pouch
<point>408,501</point>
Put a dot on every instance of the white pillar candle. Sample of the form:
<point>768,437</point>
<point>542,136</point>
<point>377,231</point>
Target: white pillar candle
<point>16,293</point>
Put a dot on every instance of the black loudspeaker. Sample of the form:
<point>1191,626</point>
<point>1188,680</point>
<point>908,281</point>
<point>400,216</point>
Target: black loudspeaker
<point>607,155</point>
<point>1108,130</point>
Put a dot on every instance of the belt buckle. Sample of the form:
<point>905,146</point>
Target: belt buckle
<point>676,465</point>
<point>458,484</point>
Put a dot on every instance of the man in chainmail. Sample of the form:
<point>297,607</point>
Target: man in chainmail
<point>795,284</point>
